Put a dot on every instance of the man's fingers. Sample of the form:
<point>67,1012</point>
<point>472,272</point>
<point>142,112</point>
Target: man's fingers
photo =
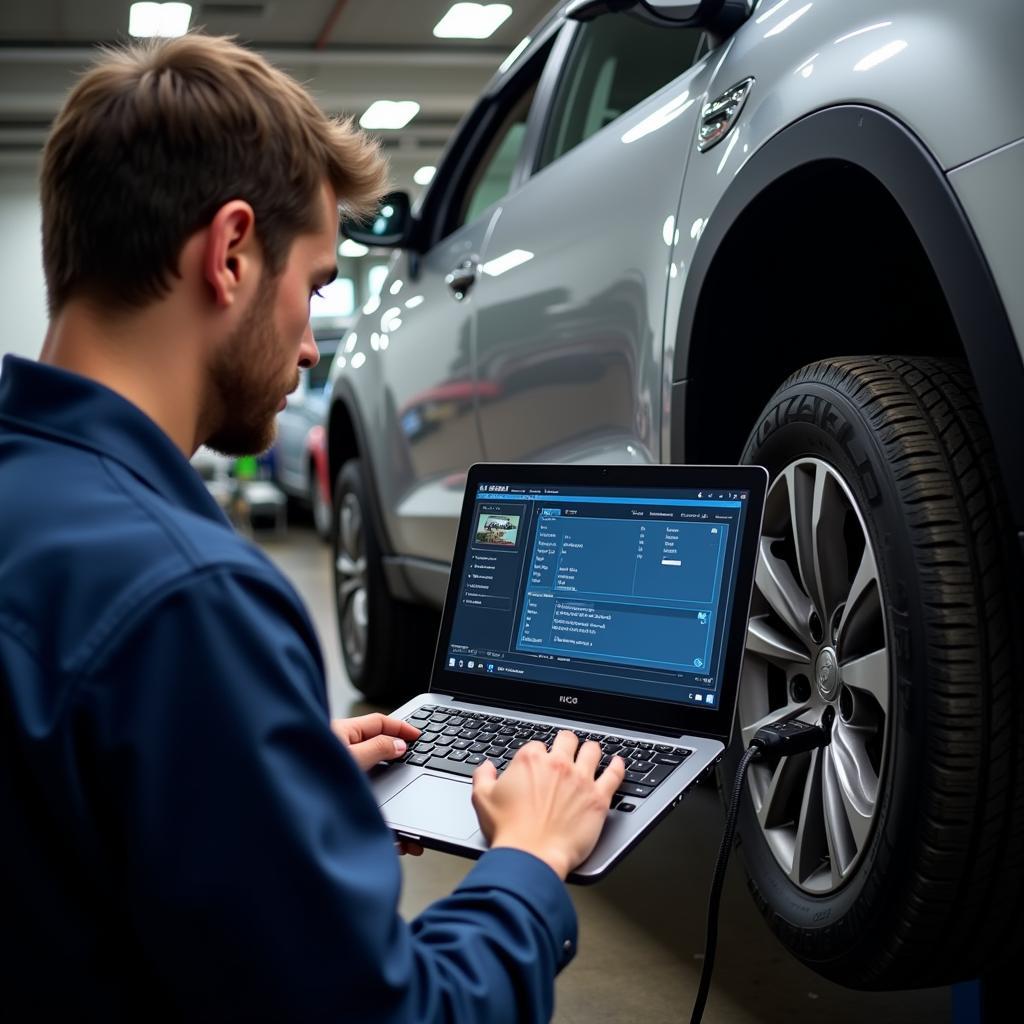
<point>484,777</point>
<point>381,748</point>
<point>611,778</point>
<point>588,756</point>
<point>365,727</point>
<point>565,744</point>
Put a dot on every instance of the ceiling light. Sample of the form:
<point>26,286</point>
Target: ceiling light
<point>350,247</point>
<point>471,21</point>
<point>389,114</point>
<point>147,20</point>
<point>425,175</point>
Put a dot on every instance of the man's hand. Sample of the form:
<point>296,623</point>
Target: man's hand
<point>548,804</point>
<point>373,738</point>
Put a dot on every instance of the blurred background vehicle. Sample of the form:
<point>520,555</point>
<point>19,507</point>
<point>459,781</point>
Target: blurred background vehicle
<point>299,457</point>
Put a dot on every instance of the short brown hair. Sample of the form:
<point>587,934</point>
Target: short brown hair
<point>157,136</point>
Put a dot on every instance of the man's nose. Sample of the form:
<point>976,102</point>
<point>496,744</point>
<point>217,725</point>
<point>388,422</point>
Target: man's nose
<point>309,354</point>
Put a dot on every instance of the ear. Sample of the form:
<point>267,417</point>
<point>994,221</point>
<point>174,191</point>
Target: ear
<point>231,255</point>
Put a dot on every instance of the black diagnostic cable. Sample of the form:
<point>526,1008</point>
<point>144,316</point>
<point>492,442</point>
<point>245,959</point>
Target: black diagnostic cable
<point>770,743</point>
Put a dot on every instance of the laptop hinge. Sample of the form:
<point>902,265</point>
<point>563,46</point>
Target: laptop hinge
<point>616,723</point>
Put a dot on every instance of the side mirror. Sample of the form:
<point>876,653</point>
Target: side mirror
<point>717,15</point>
<point>390,227</point>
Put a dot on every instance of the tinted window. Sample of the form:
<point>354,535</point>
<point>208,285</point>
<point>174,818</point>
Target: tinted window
<point>616,62</point>
<point>493,176</point>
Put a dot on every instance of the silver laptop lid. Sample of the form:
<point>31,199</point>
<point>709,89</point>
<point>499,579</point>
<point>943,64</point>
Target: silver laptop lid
<point>614,594</point>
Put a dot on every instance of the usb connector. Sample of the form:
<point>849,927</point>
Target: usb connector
<point>787,738</point>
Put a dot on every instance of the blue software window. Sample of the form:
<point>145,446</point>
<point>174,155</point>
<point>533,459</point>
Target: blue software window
<point>599,590</point>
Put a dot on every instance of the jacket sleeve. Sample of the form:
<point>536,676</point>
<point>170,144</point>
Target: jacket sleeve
<point>250,859</point>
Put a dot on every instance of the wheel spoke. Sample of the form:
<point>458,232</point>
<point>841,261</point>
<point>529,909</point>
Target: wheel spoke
<point>803,482</point>
<point>764,639</point>
<point>776,582</point>
<point>865,585</point>
<point>830,548</point>
<point>809,847</point>
<point>869,673</point>
<point>845,826</point>
<point>786,779</point>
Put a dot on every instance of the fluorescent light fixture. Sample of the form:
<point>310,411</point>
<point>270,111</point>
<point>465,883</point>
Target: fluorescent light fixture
<point>668,229</point>
<point>358,359</point>
<point>396,287</point>
<point>471,21</point>
<point>505,262</point>
<point>372,303</point>
<point>425,175</point>
<point>147,20</point>
<point>350,247</point>
<point>389,114</point>
<point>416,300</point>
<point>883,53</point>
<point>351,343</point>
<point>514,55</point>
<point>375,278</point>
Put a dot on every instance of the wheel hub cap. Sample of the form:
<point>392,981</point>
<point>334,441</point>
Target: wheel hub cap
<point>826,674</point>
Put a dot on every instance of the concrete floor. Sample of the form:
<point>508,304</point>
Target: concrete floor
<point>642,928</point>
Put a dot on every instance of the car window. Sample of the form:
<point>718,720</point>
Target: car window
<point>492,178</point>
<point>616,61</point>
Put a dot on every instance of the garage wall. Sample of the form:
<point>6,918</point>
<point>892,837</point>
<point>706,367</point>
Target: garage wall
<point>23,316</point>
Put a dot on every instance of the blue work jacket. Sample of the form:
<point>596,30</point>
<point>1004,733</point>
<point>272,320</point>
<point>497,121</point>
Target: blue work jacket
<point>181,834</point>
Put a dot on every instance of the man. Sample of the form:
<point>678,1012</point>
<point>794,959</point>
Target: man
<point>184,836</point>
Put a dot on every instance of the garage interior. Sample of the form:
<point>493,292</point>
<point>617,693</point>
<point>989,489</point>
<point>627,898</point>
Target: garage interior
<point>642,929</point>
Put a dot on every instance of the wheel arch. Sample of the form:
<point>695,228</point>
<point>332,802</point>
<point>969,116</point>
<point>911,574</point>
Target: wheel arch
<point>346,440</point>
<point>767,244</point>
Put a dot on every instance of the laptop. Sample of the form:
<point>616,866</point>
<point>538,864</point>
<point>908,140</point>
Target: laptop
<point>608,600</point>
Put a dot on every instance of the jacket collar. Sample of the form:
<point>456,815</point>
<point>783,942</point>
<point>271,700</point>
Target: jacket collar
<point>74,410</point>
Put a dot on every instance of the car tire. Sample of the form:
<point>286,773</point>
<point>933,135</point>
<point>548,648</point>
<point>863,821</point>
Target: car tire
<point>386,645</point>
<point>893,857</point>
<point>319,506</point>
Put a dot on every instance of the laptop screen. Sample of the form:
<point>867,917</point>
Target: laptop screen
<point>620,590</point>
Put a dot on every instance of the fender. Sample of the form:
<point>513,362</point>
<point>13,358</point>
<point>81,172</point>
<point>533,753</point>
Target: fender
<point>886,149</point>
<point>342,395</point>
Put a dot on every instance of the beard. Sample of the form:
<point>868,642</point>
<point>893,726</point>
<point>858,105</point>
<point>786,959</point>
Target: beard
<point>247,381</point>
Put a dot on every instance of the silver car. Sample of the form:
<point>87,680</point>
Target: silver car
<point>787,232</point>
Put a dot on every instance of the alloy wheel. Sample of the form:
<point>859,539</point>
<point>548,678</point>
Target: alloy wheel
<point>817,651</point>
<point>350,579</point>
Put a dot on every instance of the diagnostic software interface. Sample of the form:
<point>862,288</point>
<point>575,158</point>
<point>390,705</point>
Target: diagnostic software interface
<point>600,588</point>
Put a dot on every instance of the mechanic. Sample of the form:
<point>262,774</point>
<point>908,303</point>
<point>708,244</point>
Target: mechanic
<point>185,836</point>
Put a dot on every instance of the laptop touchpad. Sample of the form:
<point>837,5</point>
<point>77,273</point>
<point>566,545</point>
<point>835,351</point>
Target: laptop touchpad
<point>430,804</point>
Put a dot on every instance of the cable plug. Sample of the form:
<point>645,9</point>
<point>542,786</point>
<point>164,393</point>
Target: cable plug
<point>786,738</point>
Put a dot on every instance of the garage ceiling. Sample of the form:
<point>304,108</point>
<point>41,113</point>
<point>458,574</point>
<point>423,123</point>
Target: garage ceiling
<point>349,53</point>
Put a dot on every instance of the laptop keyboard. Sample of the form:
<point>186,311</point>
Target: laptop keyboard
<point>457,741</point>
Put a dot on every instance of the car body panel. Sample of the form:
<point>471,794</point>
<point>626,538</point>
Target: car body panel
<point>983,186</point>
<point>571,334</point>
<point>413,357</point>
<point>572,353</point>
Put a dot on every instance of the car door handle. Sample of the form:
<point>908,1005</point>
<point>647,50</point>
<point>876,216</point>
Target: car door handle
<point>461,279</point>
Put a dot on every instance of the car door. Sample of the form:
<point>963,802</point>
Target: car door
<point>571,292</point>
<point>420,330</point>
